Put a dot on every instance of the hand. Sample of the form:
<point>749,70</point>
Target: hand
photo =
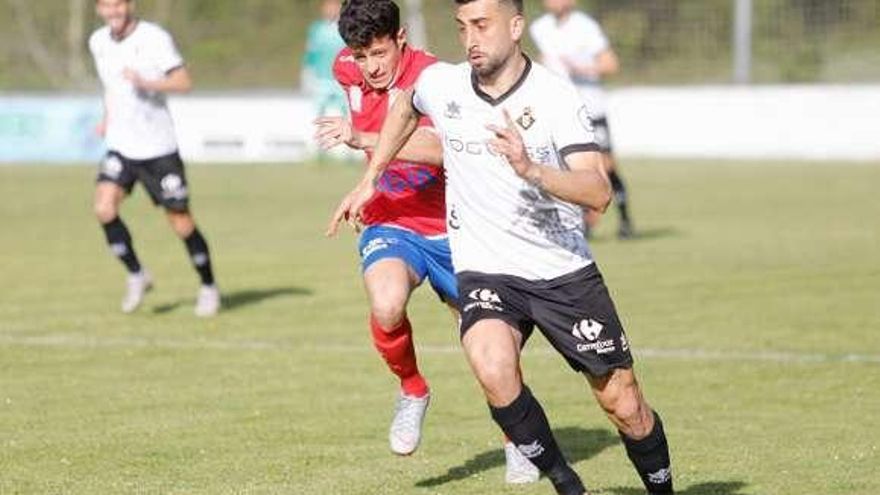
<point>351,207</point>
<point>134,78</point>
<point>333,131</point>
<point>509,144</point>
<point>578,69</point>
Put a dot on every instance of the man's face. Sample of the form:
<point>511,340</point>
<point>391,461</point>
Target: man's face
<point>559,7</point>
<point>330,9</point>
<point>115,13</point>
<point>489,30</point>
<point>378,62</point>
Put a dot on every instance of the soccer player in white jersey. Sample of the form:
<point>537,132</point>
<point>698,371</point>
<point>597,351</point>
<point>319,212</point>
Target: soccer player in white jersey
<point>521,161</point>
<point>138,65</point>
<point>573,45</point>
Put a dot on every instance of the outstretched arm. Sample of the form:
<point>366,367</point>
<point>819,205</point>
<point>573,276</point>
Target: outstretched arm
<point>400,123</point>
<point>175,81</point>
<point>422,147</point>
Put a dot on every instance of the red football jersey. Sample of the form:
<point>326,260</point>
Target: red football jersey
<point>409,195</point>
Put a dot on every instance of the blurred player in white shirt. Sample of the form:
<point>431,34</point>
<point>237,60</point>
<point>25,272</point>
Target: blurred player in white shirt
<point>573,45</point>
<point>138,64</point>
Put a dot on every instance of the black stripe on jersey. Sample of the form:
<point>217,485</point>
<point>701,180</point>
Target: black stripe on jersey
<point>579,148</point>
<point>412,103</point>
<point>497,101</point>
<point>179,66</point>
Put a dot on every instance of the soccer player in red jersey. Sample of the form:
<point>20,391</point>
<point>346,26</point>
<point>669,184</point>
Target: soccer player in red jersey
<point>405,240</point>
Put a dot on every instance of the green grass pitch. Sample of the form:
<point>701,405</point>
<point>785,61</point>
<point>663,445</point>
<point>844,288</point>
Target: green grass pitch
<point>752,299</point>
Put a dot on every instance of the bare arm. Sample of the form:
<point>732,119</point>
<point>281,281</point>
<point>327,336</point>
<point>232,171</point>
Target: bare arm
<point>584,183</point>
<point>175,81</point>
<point>605,64</point>
<point>400,123</point>
<point>423,146</point>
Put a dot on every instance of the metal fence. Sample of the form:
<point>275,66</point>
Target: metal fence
<point>232,44</point>
<point>694,41</point>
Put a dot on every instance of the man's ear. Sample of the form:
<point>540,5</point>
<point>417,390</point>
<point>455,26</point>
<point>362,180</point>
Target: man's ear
<point>517,27</point>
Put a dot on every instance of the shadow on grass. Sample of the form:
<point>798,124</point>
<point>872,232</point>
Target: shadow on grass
<point>648,234</point>
<point>577,443</point>
<point>237,299</point>
<point>708,488</point>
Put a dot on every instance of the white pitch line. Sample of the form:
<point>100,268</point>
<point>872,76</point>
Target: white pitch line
<point>79,341</point>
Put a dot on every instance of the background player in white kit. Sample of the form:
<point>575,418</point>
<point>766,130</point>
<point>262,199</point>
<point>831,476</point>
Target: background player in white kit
<point>138,64</point>
<point>573,45</point>
<point>521,162</point>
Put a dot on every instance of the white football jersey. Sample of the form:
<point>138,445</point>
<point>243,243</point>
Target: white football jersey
<point>579,38</point>
<point>139,125</point>
<point>497,222</point>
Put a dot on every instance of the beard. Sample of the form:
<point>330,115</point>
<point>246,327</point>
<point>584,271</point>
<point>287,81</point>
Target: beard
<point>489,68</point>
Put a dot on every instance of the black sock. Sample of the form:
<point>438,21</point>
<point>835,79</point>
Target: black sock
<point>620,197</point>
<point>650,456</point>
<point>201,258</point>
<point>526,425</point>
<point>119,240</point>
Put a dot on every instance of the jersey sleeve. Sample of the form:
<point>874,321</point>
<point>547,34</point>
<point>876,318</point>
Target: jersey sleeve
<point>310,55</point>
<point>595,36</point>
<point>424,89</point>
<point>93,43</point>
<point>572,128</point>
<point>423,61</point>
<point>536,32</point>
<point>166,55</point>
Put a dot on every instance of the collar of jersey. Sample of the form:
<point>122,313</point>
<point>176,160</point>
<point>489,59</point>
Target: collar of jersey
<point>497,101</point>
<point>137,24</point>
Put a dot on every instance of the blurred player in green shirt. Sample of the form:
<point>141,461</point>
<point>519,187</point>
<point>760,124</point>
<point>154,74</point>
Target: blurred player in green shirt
<point>322,46</point>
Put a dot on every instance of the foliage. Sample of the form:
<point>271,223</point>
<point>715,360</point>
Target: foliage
<point>258,43</point>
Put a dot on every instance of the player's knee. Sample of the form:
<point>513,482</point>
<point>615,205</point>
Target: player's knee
<point>105,211</point>
<point>625,408</point>
<point>389,312</point>
<point>182,223</point>
<point>494,373</point>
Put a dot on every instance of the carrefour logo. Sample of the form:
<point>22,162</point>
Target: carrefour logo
<point>590,330</point>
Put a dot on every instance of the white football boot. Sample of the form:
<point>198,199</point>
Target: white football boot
<point>136,286</point>
<point>519,469</point>
<point>208,301</point>
<point>406,427</point>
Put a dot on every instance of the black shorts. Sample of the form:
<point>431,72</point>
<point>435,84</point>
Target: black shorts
<point>574,312</point>
<point>163,178</point>
<point>603,134</point>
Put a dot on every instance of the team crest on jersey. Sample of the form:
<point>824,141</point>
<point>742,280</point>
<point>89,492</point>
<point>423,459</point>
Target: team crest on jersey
<point>585,118</point>
<point>453,110</point>
<point>355,98</point>
<point>527,119</point>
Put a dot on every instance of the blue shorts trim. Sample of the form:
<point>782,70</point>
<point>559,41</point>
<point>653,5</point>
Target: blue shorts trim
<point>429,258</point>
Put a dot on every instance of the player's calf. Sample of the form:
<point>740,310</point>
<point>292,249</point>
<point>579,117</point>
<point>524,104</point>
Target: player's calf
<point>640,428</point>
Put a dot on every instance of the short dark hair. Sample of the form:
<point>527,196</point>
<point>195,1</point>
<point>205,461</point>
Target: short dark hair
<point>362,21</point>
<point>516,3</point>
